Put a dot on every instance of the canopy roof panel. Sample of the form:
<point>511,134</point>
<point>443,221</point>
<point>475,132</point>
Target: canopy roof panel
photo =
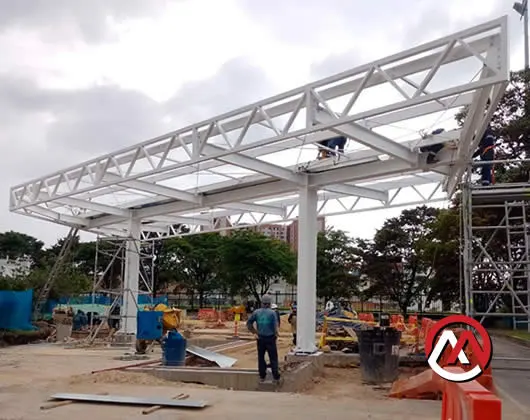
<point>246,166</point>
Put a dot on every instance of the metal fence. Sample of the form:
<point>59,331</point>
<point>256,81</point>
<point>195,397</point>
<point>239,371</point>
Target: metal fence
<point>284,300</point>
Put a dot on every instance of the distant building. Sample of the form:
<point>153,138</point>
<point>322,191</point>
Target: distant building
<point>292,238</point>
<point>12,267</point>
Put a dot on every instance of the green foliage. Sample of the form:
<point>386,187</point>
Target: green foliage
<point>395,261</point>
<point>442,251</point>
<point>252,261</point>
<point>16,245</point>
<point>193,262</point>
<point>511,126</point>
<point>338,265</point>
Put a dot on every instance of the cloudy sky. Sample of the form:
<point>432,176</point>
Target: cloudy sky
<point>80,78</point>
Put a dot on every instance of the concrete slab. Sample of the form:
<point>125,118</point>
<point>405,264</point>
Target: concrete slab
<point>316,359</point>
<point>352,360</point>
<point>341,360</point>
<point>295,376</point>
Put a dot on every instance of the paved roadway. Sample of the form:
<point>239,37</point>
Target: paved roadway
<point>512,378</point>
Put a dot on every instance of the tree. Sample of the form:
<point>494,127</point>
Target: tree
<point>18,245</point>
<point>511,125</point>
<point>441,251</point>
<point>394,261</point>
<point>338,262</point>
<point>193,262</point>
<point>252,261</point>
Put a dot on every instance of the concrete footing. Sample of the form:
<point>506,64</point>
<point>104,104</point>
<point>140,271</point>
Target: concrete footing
<point>338,359</point>
<point>294,379</point>
<point>297,374</point>
<point>315,359</point>
<point>123,340</point>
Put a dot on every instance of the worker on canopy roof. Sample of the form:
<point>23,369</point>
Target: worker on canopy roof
<point>433,149</point>
<point>486,151</point>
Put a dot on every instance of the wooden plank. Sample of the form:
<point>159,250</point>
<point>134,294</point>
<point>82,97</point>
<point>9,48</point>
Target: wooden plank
<point>128,400</point>
<point>158,407</point>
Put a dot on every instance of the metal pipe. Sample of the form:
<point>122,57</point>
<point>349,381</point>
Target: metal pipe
<point>526,52</point>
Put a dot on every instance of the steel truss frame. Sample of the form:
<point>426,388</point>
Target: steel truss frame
<point>261,157</point>
<point>117,250</point>
<point>498,278</point>
<point>261,139</point>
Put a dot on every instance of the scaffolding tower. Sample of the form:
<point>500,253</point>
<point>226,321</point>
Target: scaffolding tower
<point>110,274</point>
<point>496,249</point>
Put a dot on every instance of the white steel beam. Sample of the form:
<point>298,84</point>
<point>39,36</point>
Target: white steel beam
<point>306,284</point>
<point>129,308</point>
<point>353,190</point>
<point>257,165</point>
<point>155,189</point>
<point>256,208</point>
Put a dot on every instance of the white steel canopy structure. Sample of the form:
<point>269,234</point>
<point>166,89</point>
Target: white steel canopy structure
<point>256,164</point>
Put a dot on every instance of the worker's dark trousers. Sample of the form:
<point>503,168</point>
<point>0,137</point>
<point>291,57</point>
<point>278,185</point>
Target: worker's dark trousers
<point>335,142</point>
<point>268,345</point>
<point>486,171</point>
<point>294,339</point>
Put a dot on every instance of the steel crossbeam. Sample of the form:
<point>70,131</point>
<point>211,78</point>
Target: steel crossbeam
<point>256,158</point>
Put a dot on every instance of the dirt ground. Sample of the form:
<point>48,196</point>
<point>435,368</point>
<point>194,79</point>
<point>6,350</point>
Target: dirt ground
<point>30,374</point>
<point>247,355</point>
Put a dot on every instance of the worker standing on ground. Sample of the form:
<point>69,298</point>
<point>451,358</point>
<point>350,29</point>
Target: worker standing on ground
<point>267,332</point>
<point>292,320</point>
<point>486,151</point>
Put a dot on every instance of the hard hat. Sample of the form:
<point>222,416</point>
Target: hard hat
<point>274,306</point>
<point>266,299</point>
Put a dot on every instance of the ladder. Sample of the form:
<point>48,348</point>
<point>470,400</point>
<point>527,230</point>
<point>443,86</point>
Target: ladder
<point>518,246</point>
<point>61,258</point>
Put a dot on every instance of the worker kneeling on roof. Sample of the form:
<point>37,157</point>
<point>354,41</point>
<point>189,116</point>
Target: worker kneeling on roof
<point>267,333</point>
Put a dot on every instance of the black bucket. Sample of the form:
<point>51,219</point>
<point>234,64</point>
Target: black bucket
<point>379,354</point>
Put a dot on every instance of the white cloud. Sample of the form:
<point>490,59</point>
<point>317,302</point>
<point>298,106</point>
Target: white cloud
<point>85,77</point>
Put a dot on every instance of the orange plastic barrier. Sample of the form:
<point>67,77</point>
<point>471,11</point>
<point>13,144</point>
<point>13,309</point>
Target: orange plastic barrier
<point>469,401</point>
<point>425,385</point>
<point>366,317</point>
<point>208,314</point>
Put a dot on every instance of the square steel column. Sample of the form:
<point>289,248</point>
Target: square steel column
<point>131,279</point>
<point>307,272</point>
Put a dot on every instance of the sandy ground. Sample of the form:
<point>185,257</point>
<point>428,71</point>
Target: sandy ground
<point>247,356</point>
<point>30,374</point>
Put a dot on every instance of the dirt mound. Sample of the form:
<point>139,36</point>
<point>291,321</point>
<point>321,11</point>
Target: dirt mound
<point>13,338</point>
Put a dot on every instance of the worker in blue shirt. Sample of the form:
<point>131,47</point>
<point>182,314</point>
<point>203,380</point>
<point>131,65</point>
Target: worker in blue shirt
<point>486,151</point>
<point>267,333</point>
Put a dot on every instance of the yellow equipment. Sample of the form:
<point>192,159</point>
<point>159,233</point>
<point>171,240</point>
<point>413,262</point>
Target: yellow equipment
<point>171,320</point>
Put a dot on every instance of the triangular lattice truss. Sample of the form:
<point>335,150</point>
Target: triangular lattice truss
<point>246,166</point>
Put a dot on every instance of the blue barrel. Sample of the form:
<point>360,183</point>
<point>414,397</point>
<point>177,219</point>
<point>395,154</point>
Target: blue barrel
<point>174,349</point>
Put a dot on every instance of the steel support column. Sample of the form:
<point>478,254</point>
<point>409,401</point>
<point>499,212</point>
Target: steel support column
<point>131,279</point>
<point>307,272</point>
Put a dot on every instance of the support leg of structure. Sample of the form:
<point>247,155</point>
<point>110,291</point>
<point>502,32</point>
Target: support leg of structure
<point>307,270</point>
<point>131,278</point>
